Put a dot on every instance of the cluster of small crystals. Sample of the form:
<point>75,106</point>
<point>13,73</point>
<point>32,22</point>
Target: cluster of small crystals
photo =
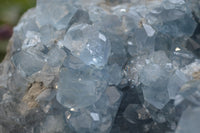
<point>100,66</point>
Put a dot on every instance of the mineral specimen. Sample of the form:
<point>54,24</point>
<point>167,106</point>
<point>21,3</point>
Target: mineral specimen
<point>100,66</point>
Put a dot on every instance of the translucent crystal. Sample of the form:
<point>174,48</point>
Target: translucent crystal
<point>191,92</point>
<point>53,124</point>
<point>139,43</point>
<point>48,34</point>
<point>115,74</point>
<point>89,44</point>
<point>149,30</point>
<point>34,63</point>
<point>189,121</point>
<point>117,56</point>
<point>113,95</point>
<point>78,123</point>
<point>151,74</point>
<point>58,14</point>
<point>177,80</point>
<point>154,77</point>
<point>97,117</point>
<point>80,87</point>
<point>55,57</point>
<point>171,19</point>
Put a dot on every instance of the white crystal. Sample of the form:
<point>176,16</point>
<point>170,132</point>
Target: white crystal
<point>32,39</point>
<point>149,30</point>
<point>95,116</point>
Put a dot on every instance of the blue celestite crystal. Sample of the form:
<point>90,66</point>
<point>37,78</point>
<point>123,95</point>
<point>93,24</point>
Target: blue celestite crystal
<point>20,60</point>
<point>86,81</point>
<point>177,80</point>
<point>88,43</point>
<point>58,16</point>
<point>189,122</point>
<point>100,66</point>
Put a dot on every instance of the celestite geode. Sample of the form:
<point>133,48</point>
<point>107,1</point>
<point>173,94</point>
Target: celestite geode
<point>103,66</point>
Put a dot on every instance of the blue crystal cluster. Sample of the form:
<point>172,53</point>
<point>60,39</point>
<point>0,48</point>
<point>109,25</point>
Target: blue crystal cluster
<point>100,66</point>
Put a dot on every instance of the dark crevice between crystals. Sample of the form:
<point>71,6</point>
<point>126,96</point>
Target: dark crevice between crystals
<point>79,17</point>
<point>152,124</point>
<point>193,43</point>
<point>130,96</point>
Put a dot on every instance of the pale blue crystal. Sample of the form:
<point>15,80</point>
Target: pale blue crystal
<point>189,122</point>
<point>27,63</point>
<point>55,57</point>
<point>89,44</point>
<point>154,77</point>
<point>176,81</point>
<point>58,15</point>
<point>99,116</point>
<point>77,89</point>
<point>115,74</point>
<point>80,85</point>
<point>155,81</point>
